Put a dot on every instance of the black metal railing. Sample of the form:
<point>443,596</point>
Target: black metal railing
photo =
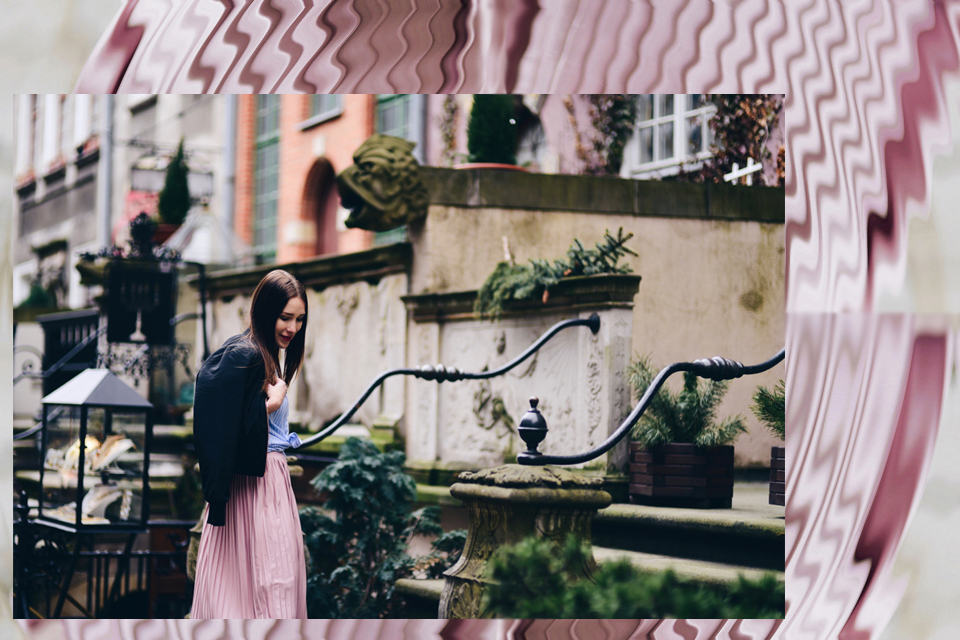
<point>63,335</point>
<point>54,370</point>
<point>712,368</point>
<point>441,373</point>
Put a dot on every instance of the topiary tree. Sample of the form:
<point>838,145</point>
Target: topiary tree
<point>492,129</point>
<point>770,408</point>
<point>685,417</point>
<point>174,202</point>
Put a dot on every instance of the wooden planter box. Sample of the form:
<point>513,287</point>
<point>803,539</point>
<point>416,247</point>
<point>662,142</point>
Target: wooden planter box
<point>777,474</point>
<point>681,475</point>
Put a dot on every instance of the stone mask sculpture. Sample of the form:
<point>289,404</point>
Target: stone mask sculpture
<point>383,189</point>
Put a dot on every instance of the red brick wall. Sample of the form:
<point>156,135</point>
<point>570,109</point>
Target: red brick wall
<point>243,180</point>
<point>333,141</point>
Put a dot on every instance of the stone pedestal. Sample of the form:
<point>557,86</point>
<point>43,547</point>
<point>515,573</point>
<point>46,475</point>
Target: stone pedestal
<point>507,504</point>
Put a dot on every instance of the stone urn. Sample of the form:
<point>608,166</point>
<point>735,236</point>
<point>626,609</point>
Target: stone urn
<point>681,475</point>
<point>507,504</point>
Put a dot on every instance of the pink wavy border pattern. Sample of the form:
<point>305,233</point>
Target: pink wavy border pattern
<point>406,629</point>
<point>864,110</point>
<point>865,115</point>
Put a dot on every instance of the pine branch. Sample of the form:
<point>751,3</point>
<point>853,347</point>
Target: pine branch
<point>688,416</point>
<point>539,277</point>
<point>770,408</point>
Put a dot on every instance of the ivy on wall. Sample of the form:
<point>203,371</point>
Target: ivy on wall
<point>612,118</point>
<point>741,129</point>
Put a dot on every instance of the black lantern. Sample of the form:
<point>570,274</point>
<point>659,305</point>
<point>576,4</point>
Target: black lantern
<point>141,301</point>
<point>95,475</point>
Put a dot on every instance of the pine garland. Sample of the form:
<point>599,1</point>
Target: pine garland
<point>538,278</point>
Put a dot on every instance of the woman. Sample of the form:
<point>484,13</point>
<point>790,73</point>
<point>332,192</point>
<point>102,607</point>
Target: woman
<point>250,563</point>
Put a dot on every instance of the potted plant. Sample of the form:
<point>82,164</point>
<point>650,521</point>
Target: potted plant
<point>770,409</point>
<point>492,133</point>
<point>681,455</point>
<point>174,199</point>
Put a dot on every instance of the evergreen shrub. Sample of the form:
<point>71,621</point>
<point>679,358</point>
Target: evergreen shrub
<point>770,408</point>
<point>174,200</point>
<point>537,578</point>
<point>538,278</point>
<point>685,417</point>
<point>492,129</point>
<point>359,553</point>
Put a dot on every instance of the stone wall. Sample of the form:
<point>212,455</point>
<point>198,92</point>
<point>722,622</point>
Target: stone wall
<point>577,375</point>
<point>711,258</point>
<point>356,329</point>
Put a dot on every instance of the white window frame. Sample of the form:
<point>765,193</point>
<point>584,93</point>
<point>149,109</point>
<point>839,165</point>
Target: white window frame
<point>265,228</point>
<point>414,117</point>
<point>322,116</point>
<point>660,167</point>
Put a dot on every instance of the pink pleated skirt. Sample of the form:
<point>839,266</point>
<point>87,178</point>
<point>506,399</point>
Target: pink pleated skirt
<point>253,566</point>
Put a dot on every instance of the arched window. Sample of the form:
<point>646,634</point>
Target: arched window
<point>320,203</point>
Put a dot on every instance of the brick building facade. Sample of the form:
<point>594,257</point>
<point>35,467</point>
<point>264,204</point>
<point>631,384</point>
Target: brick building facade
<point>289,150</point>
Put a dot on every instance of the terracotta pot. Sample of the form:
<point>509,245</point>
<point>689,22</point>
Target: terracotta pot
<point>681,475</point>
<point>777,474</point>
<point>490,165</point>
<point>163,233</point>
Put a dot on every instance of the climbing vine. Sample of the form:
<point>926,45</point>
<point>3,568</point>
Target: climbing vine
<point>448,129</point>
<point>741,129</point>
<point>612,117</point>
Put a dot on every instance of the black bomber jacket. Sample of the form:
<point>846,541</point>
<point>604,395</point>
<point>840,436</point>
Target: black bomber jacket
<point>229,421</point>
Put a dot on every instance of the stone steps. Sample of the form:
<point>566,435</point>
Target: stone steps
<point>750,534</point>
<point>423,596</point>
<point>706,546</point>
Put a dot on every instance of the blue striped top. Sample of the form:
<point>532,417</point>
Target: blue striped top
<point>278,433</point>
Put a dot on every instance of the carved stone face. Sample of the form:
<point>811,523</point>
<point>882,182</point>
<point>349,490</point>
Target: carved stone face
<point>383,189</point>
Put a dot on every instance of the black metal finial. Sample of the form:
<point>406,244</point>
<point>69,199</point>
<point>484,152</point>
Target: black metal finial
<point>532,428</point>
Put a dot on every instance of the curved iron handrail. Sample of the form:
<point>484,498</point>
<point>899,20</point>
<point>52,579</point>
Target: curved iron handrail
<point>712,368</point>
<point>452,374</point>
<point>53,415</point>
<point>53,369</point>
<point>62,361</point>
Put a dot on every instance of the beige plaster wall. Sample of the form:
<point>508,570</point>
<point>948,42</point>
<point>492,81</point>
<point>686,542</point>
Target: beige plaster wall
<point>355,331</point>
<point>709,287</point>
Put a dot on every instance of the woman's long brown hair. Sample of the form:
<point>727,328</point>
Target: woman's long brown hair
<point>269,299</point>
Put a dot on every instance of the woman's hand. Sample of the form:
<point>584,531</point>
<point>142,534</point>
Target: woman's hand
<point>275,394</point>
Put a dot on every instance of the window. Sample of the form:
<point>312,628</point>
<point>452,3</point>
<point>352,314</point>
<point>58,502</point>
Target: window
<point>671,128</point>
<point>34,129</point>
<point>62,141</point>
<point>320,108</point>
<point>325,105</point>
<point>39,111</point>
<point>393,115</point>
<point>266,177</point>
<point>401,116</point>
<point>95,113</point>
